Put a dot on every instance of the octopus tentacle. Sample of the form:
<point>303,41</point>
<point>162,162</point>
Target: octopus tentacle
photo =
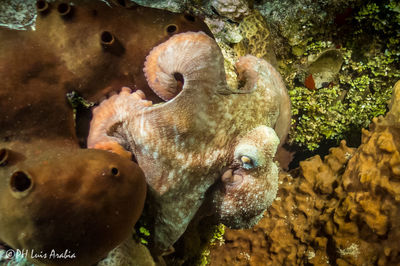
<point>282,124</point>
<point>251,70</point>
<point>247,68</point>
<point>109,116</point>
<point>191,57</point>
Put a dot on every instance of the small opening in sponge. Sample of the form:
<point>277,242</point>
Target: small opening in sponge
<point>41,5</point>
<point>171,28</point>
<point>64,9</point>
<point>114,171</point>
<point>107,37</point>
<point>20,181</point>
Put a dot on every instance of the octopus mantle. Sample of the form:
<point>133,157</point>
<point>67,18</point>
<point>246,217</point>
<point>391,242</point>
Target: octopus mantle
<point>206,137</point>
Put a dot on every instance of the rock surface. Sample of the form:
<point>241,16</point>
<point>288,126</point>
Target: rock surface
<point>129,253</point>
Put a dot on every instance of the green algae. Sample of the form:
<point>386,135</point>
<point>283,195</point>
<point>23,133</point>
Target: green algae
<point>144,235</point>
<point>371,67</point>
<point>215,237</point>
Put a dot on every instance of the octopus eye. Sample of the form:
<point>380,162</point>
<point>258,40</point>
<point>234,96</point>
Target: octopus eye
<point>247,162</point>
<point>114,171</point>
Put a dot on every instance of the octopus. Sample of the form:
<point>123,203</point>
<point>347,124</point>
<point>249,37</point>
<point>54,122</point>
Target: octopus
<point>206,143</point>
<point>55,193</point>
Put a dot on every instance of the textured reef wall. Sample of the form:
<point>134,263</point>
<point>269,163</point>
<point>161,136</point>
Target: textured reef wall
<point>342,210</point>
<point>339,60</point>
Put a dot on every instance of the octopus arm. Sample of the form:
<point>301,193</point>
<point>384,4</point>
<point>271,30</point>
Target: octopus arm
<point>282,124</point>
<point>255,74</point>
<point>186,61</point>
<point>110,119</point>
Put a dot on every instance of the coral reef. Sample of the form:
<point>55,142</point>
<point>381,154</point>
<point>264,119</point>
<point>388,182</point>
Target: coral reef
<point>18,14</point>
<point>256,38</point>
<point>345,104</point>
<point>324,70</point>
<point>207,133</point>
<point>231,9</point>
<point>129,252</point>
<point>249,36</point>
<point>368,43</point>
<point>342,210</point>
<point>292,23</point>
<point>296,21</point>
<point>337,58</point>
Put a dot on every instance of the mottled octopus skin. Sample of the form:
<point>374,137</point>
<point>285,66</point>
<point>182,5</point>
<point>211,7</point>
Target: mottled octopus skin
<point>207,134</point>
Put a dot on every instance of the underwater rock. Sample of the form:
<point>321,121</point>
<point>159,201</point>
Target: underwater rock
<point>170,5</point>
<point>232,9</point>
<point>257,39</point>
<point>298,20</point>
<point>292,23</point>
<point>18,14</point>
<point>325,68</point>
<point>342,210</point>
<point>128,252</point>
<point>206,133</point>
<point>229,9</point>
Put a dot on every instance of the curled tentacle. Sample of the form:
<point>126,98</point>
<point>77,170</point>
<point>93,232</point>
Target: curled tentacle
<point>248,74</point>
<point>184,59</point>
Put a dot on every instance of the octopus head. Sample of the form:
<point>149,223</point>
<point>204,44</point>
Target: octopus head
<point>249,184</point>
